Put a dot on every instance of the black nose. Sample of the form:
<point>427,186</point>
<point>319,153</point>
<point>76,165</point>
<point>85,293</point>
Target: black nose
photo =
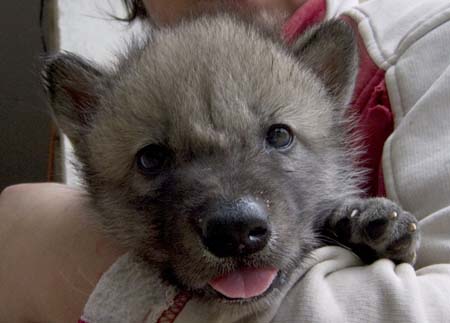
<point>236,228</point>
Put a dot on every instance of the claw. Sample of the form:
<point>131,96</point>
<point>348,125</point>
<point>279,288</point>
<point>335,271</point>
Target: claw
<point>412,227</point>
<point>354,213</point>
<point>393,215</point>
<point>413,261</point>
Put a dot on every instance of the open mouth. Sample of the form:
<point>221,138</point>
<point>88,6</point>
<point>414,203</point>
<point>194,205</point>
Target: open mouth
<point>245,283</point>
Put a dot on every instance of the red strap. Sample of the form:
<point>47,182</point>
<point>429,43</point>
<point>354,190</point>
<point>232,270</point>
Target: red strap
<point>171,314</point>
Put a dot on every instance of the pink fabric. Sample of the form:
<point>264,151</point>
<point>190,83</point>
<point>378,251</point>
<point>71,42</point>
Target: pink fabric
<point>311,13</point>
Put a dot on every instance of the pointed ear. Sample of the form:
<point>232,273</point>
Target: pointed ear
<point>73,85</point>
<point>330,50</point>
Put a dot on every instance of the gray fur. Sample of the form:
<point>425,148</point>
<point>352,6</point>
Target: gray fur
<point>208,90</point>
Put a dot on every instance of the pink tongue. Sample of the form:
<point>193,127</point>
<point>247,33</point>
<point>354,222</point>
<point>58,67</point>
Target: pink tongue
<point>244,283</point>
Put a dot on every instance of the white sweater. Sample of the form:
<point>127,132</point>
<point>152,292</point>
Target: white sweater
<point>410,39</point>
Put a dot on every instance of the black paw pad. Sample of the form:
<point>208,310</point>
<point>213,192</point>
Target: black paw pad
<point>375,229</point>
<point>343,229</point>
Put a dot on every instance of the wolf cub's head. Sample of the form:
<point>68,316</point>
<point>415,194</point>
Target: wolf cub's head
<point>209,149</point>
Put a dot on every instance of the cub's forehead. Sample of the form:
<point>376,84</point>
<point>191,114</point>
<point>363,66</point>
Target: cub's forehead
<point>218,82</point>
<point>191,107</point>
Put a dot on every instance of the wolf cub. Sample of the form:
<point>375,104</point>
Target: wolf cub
<point>222,156</point>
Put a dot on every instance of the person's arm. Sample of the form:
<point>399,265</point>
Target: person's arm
<point>51,254</point>
<point>338,288</point>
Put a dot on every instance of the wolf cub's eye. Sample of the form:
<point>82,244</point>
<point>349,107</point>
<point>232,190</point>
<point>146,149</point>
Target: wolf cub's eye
<point>280,136</point>
<point>152,159</point>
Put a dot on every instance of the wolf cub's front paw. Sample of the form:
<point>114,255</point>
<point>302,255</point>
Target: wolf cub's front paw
<point>377,228</point>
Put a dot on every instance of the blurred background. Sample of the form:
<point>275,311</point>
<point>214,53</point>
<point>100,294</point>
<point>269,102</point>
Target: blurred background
<point>31,149</point>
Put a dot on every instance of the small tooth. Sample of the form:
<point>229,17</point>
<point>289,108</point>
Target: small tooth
<point>354,213</point>
<point>412,227</point>
<point>393,215</point>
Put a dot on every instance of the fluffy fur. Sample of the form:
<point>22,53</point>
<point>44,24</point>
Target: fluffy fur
<point>208,90</point>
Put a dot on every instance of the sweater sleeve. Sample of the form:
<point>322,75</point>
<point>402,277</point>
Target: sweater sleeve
<point>338,289</point>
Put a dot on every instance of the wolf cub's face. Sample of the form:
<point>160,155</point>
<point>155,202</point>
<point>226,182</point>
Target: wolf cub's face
<point>210,149</point>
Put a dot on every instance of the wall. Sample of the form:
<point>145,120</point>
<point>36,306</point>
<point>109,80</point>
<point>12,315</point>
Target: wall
<point>24,121</point>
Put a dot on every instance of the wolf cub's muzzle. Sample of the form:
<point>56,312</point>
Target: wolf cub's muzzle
<point>236,228</point>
